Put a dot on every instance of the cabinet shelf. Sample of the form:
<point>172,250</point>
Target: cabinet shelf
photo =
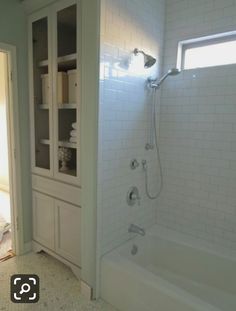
<point>61,106</point>
<point>43,63</point>
<point>43,106</point>
<point>45,141</point>
<point>63,61</point>
<point>66,144</point>
<point>66,58</point>
<point>68,172</point>
<point>67,106</point>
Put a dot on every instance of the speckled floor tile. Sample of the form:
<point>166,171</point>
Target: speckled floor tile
<point>59,288</point>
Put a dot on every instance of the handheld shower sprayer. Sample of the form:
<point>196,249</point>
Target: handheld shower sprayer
<point>153,137</point>
<point>155,84</point>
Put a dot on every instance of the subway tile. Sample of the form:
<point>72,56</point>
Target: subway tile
<point>123,114</point>
<point>198,144</point>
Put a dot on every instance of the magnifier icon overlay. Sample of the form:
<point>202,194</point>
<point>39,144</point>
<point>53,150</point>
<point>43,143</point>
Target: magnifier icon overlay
<point>24,288</point>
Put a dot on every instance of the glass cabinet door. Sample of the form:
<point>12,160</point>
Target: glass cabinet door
<point>41,95</point>
<point>66,99</point>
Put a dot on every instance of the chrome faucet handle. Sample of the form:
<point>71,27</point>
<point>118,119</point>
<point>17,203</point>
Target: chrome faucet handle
<point>133,196</point>
<point>134,164</point>
<point>136,229</point>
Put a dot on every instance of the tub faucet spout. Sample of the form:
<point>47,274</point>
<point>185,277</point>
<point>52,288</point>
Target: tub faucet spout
<point>136,229</point>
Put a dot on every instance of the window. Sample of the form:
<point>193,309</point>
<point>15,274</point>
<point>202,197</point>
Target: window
<point>208,51</point>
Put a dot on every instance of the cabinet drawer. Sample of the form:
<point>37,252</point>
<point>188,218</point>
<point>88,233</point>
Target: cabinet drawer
<point>57,189</point>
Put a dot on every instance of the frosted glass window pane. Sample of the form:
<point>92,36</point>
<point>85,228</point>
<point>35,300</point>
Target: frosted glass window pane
<point>210,55</point>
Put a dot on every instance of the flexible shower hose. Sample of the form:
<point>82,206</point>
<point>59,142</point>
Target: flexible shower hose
<point>145,166</point>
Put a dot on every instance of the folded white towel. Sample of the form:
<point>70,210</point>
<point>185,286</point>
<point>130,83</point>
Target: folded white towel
<point>73,140</point>
<point>74,125</point>
<point>73,133</point>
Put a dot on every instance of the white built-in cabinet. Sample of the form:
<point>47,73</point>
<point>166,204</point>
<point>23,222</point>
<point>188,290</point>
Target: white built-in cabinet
<point>54,69</point>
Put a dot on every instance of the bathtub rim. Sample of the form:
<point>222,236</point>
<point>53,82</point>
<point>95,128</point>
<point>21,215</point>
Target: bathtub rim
<point>116,256</point>
<point>131,268</point>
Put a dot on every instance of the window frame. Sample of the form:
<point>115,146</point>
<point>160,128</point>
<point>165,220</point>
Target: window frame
<point>185,45</point>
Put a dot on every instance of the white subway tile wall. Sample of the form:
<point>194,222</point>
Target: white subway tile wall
<point>123,114</point>
<point>198,131</point>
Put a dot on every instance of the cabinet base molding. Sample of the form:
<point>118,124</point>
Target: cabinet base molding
<point>86,290</point>
<point>37,247</point>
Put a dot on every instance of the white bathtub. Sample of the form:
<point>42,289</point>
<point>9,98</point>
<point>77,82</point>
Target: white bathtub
<point>167,276</point>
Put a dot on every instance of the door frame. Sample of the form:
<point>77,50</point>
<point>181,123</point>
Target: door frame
<point>14,152</point>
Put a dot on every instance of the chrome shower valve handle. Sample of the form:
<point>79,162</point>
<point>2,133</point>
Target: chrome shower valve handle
<point>133,196</point>
<point>134,164</point>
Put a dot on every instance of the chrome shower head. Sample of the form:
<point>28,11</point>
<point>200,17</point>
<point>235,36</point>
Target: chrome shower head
<point>149,61</point>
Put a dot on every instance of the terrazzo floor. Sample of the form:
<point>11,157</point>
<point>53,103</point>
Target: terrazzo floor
<point>59,288</point>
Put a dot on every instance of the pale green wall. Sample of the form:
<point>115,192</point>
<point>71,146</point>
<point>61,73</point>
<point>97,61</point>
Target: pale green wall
<point>13,30</point>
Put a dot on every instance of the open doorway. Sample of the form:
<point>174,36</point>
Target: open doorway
<point>5,206</point>
<point>10,185</point>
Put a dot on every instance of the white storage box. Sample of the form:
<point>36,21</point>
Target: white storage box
<point>62,88</point>
<point>72,82</point>
<point>45,89</point>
